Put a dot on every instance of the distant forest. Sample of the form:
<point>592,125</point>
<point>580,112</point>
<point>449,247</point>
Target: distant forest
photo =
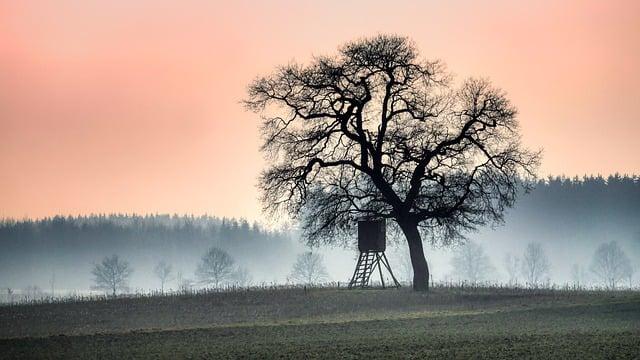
<point>568,215</point>
<point>37,248</point>
<point>130,232</point>
<point>576,200</point>
<point>564,206</point>
<point>588,196</point>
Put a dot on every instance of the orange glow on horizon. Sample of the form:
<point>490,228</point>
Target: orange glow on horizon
<point>118,106</point>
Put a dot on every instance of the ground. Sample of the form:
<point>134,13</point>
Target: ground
<point>448,322</point>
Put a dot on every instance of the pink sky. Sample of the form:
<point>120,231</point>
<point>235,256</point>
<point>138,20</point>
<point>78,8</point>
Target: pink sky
<point>133,106</point>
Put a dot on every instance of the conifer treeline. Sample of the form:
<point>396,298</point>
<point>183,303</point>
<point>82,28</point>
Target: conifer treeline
<point>574,200</point>
<point>587,201</point>
<point>122,232</point>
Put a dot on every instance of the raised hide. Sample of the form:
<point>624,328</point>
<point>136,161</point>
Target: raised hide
<point>372,235</point>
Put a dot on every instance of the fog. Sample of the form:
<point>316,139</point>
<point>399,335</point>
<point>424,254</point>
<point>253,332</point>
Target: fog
<point>568,217</point>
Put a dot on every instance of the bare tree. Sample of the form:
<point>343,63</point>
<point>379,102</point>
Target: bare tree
<point>215,267</point>
<point>163,272</point>
<point>611,265</point>
<point>512,266</point>
<point>112,274</point>
<point>535,264</point>
<point>378,132</point>
<point>471,263</point>
<point>309,269</point>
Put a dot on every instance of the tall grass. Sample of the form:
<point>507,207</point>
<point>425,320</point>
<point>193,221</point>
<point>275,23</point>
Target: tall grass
<point>269,289</point>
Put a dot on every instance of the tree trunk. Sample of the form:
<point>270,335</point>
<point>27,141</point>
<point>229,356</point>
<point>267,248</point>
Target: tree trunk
<point>418,260</point>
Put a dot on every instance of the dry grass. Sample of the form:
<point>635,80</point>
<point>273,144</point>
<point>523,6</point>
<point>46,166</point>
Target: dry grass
<point>330,322</point>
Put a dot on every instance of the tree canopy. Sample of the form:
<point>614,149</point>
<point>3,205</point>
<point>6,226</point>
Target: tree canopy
<point>112,274</point>
<point>376,131</point>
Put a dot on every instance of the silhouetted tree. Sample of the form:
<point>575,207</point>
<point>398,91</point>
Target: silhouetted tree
<point>163,272</point>
<point>309,269</point>
<point>471,263</point>
<point>610,264</point>
<point>378,132</point>
<point>512,266</point>
<point>215,267</point>
<point>535,264</point>
<point>112,274</point>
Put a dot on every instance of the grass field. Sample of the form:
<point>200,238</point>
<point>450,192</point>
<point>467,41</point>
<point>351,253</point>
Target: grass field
<point>331,323</point>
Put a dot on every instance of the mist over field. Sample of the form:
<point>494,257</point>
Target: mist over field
<point>568,217</point>
<point>302,180</point>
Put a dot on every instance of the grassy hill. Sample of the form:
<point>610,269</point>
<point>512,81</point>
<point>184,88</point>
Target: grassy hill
<point>330,323</point>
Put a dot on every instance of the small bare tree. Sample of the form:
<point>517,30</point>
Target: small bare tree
<point>215,267</point>
<point>309,269</point>
<point>535,264</point>
<point>512,265</point>
<point>163,272</point>
<point>112,275</point>
<point>611,265</point>
<point>471,263</point>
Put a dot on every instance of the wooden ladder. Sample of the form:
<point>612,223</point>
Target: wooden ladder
<point>366,265</point>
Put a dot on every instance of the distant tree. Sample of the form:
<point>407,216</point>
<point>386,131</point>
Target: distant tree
<point>309,269</point>
<point>578,275</point>
<point>112,275</point>
<point>610,264</point>
<point>378,131</point>
<point>163,272</point>
<point>512,266</point>
<point>215,267</point>
<point>535,264</point>
<point>471,263</point>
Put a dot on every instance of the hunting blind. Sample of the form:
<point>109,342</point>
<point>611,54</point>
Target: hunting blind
<point>372,244</point>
